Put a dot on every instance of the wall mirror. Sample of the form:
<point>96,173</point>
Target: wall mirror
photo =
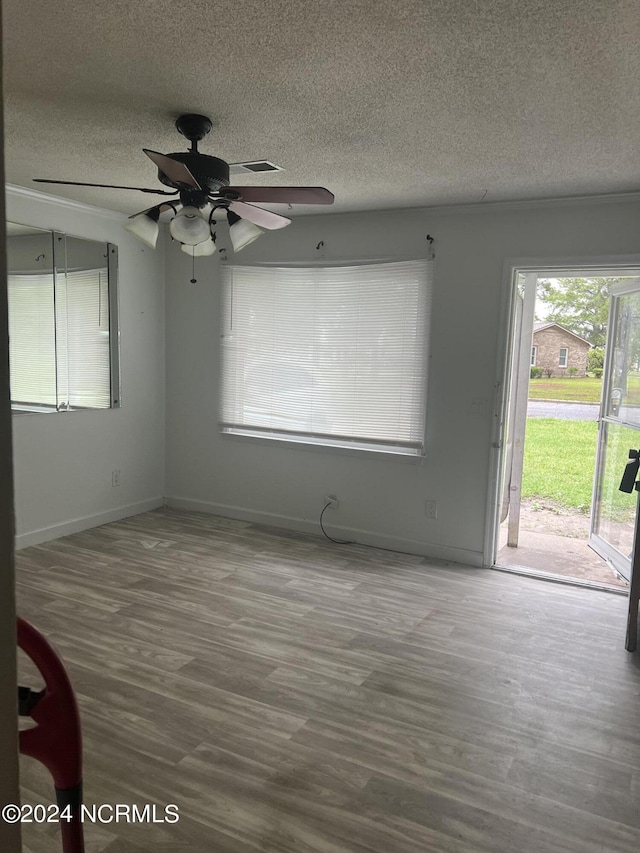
<point>63,321</point>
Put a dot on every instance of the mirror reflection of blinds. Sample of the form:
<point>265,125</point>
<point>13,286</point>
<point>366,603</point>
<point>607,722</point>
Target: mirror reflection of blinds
<point>32,340</point>
<point>330,355</point>
<point>59,339</point>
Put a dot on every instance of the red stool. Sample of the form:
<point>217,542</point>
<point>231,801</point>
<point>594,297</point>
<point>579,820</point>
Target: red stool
<point>56,741</point>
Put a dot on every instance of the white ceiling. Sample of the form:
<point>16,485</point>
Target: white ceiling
<point>388,104</point>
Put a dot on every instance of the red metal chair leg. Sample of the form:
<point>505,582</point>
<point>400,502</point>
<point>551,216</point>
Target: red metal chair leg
<point>56,741</point>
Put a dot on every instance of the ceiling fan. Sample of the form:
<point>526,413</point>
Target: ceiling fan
<point>201,184</point>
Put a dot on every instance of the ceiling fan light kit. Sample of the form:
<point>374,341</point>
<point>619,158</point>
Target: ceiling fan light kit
<point>241,231</point>
<point>145,227</point>
<point>201,183</point>
<point>189,226</point>
<point>200,250</point>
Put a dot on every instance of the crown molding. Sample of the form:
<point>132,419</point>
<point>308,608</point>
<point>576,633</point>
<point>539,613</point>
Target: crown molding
<point>632,197</point>
<point>16,192</point>
<point>524,204</point>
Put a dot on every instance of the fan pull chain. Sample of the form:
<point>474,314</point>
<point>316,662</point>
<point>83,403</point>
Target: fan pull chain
<point>193,267</point>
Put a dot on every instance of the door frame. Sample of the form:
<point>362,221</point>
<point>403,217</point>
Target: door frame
<point>512,267</point>
<point>600,545</point>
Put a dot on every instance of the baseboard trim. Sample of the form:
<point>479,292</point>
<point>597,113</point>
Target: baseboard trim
<point>75,525</point>
<point>356,535</point>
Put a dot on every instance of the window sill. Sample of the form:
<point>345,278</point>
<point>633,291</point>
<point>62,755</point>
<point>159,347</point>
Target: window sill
<point>33,410</point>
<point>346,448</point>
<point>17,409</point>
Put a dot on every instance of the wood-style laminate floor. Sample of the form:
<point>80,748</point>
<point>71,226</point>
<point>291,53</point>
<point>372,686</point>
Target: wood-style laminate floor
<point>294,696</point>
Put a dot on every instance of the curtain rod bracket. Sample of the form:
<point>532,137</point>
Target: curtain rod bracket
<point>430,241</point>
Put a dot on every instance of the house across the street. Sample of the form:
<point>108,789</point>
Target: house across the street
<point>555,350</point>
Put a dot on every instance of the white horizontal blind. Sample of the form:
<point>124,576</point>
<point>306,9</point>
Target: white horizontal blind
<point>82,324</point>
<point>32,339</point>
<point>59,339</point>
<point>332,355</point>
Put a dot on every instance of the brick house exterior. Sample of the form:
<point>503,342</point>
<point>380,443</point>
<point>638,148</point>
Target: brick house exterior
<point>556,349</point>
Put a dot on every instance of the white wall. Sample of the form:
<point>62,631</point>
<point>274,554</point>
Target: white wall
<point>63,461</point>
<point>381,498</point>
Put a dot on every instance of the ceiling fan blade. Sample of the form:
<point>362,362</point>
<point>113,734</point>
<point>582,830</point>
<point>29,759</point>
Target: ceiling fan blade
<point>263,218</point>
<point>164,205</point>
<point>282,195</point>
<point>106,186</point>
<point>176,171</point>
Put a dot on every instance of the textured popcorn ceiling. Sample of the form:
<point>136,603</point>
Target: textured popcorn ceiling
<point>388,103</point>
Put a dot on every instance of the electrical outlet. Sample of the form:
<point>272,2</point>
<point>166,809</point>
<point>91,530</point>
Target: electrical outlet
<point>332,500</point>
<point>115,478</point>
<point>431,509</point>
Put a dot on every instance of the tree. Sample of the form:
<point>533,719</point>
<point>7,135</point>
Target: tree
<point>595,361</point>
<point>581,305</point>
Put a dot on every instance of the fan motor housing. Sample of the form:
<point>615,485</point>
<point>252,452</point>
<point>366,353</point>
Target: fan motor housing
<point>211,173</point>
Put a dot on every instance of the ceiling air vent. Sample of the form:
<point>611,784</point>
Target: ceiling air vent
<point>254,166</point>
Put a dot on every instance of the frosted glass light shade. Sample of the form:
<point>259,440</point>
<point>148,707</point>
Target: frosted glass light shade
<point>207,247</point>
<point>145,228</point>
<point>242,232</point>
<point>189,227</point>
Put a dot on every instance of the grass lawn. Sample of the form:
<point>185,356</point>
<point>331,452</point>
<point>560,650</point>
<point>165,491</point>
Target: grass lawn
<point>585,389</point>
<point>559,462</point>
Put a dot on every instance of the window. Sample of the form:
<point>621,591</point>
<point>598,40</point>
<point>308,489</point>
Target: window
<point>564,357</point>
<point>62,324</point>
<point>328,355</point>
<point>534,351</point>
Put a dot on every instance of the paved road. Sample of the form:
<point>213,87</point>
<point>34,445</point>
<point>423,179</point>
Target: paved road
<point>563,411</point>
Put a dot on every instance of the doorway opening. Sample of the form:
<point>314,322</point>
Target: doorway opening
<point>572,415</point>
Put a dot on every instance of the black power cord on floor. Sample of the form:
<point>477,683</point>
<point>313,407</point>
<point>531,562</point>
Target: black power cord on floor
<point>330,538</point>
